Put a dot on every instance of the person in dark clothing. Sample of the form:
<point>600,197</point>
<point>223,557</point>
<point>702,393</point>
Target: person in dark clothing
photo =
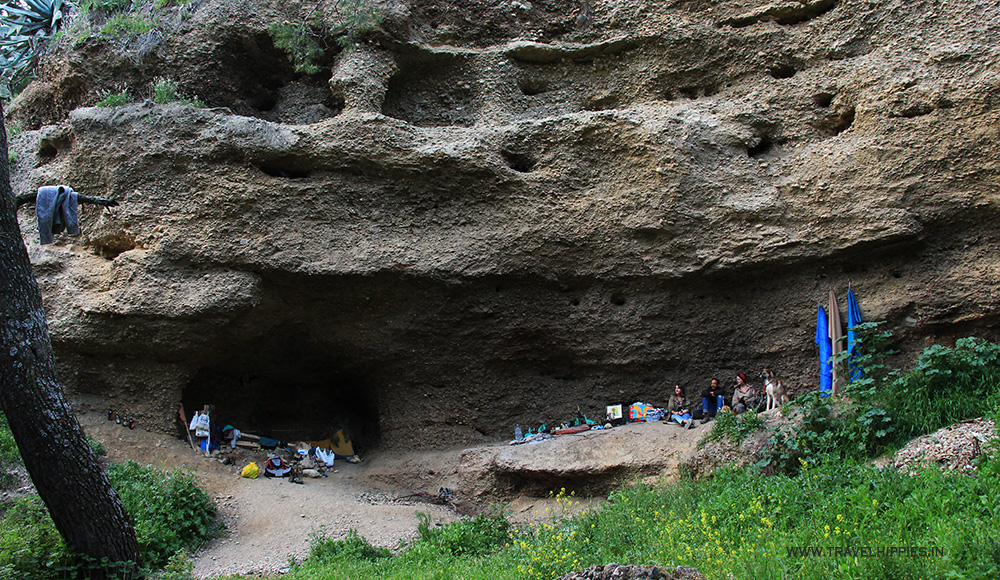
<point>712,399</point>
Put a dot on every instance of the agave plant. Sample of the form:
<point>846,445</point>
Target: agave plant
<point>23,25</point>
<point>33,16</point>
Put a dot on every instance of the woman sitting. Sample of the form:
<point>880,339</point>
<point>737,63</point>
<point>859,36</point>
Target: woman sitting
<point>679,412</point>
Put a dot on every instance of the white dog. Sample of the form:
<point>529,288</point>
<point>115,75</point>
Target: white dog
<point>774,389</point>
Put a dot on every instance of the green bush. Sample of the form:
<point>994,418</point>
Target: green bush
<point>326,551</point>
<point>129,24</point>
<point>475,536</point>
<point>735,428</point>
<point>166,91</point>
<point>28,24</point>
<point>883,408</point>
<point>169,510</point>
<point>30,546</point>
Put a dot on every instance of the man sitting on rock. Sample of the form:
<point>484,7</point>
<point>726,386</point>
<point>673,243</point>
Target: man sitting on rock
<point>712,399</point>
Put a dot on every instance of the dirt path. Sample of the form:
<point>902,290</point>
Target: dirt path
<point>271,521</point>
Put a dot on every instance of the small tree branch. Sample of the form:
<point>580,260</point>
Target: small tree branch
<point>102,201</point>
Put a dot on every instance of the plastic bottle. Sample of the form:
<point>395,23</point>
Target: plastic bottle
<point>518,435</point>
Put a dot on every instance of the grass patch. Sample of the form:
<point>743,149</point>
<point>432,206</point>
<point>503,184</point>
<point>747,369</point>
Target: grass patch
<point>166,91</point>
<point>128,23</point>
<point>114,100</point>
<point>737,525</point>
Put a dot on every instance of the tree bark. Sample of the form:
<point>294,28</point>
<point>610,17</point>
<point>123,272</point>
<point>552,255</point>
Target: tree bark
<point>86,510</point>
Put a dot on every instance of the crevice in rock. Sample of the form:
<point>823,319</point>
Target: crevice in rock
<point>913,110</point>
<point>283,171</point>
<point>837,121</point>
<point>781,71</point>
<point>46,152</point>
<point>785,13</point>
<point>532,86</point>
<point>762,148</point>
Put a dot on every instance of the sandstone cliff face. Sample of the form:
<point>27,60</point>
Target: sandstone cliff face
<point>494,212</point>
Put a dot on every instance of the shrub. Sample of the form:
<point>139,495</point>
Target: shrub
<point>128,23</point>
<point>324,551</point>
<point>733,427</point>
<point>106,6</point>
<point>883,408</point>
<point>478,535</point>
<point>170,512</point>
<point>30,546</point>
<point>29,23</point>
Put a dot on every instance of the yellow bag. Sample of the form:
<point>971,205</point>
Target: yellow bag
<point>251,471</point>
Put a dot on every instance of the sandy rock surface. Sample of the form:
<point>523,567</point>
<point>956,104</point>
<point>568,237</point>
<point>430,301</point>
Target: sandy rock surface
<point>483,211</point>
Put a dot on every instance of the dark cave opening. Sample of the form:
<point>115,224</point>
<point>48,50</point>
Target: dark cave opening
<point>287,391</point>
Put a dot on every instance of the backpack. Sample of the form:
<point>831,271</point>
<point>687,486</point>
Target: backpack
<point>276,467</point>
<point>637,411</point>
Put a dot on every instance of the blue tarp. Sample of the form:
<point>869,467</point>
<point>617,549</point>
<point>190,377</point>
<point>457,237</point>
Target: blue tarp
<point>825,350</point>
<point>853,319</point>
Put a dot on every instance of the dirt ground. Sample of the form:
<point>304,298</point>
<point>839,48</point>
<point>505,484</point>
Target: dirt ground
<point>270,521</point>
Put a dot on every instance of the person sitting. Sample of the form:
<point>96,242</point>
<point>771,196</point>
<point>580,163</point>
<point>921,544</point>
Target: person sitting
<point>679,412</point>
<point>712,399</point>
<point>745,397</point>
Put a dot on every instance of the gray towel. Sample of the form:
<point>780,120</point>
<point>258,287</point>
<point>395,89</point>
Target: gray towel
<point>56,208</point>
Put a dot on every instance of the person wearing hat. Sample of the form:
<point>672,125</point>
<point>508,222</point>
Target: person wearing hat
<point>743,394</point>
<point>712,399</point>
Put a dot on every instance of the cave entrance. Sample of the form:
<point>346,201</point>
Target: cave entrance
<point>287,393</point>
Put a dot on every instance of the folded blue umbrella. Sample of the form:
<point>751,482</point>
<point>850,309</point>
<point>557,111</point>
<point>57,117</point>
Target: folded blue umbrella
<point>825,351</point>
<point>853,319</point>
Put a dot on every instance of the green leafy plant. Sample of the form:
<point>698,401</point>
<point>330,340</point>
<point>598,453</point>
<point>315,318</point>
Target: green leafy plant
<point>129,23</point>
<point>478,535</point>
<point>306,42</point>
<point>106,6</point>
<point>324,551</point>
<point>170,511</point>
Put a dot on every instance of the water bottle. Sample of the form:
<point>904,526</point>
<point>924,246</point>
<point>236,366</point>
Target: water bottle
<point>518,435</point>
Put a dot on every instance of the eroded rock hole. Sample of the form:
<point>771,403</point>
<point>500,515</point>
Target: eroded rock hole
<point>286,395</point>
<point>47,152</point>
<point>431,90</point>
<point>782,71</point>
<point>823,100</point>
<point>283,171</point>
<point>762,148</point>
<point>111,246</point>
<point>843,121</point>
<point>618,300</point>
<point>532,87</point>
<point>520,162</point>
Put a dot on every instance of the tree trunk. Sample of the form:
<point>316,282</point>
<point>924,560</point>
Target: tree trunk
<point>85,509</point>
